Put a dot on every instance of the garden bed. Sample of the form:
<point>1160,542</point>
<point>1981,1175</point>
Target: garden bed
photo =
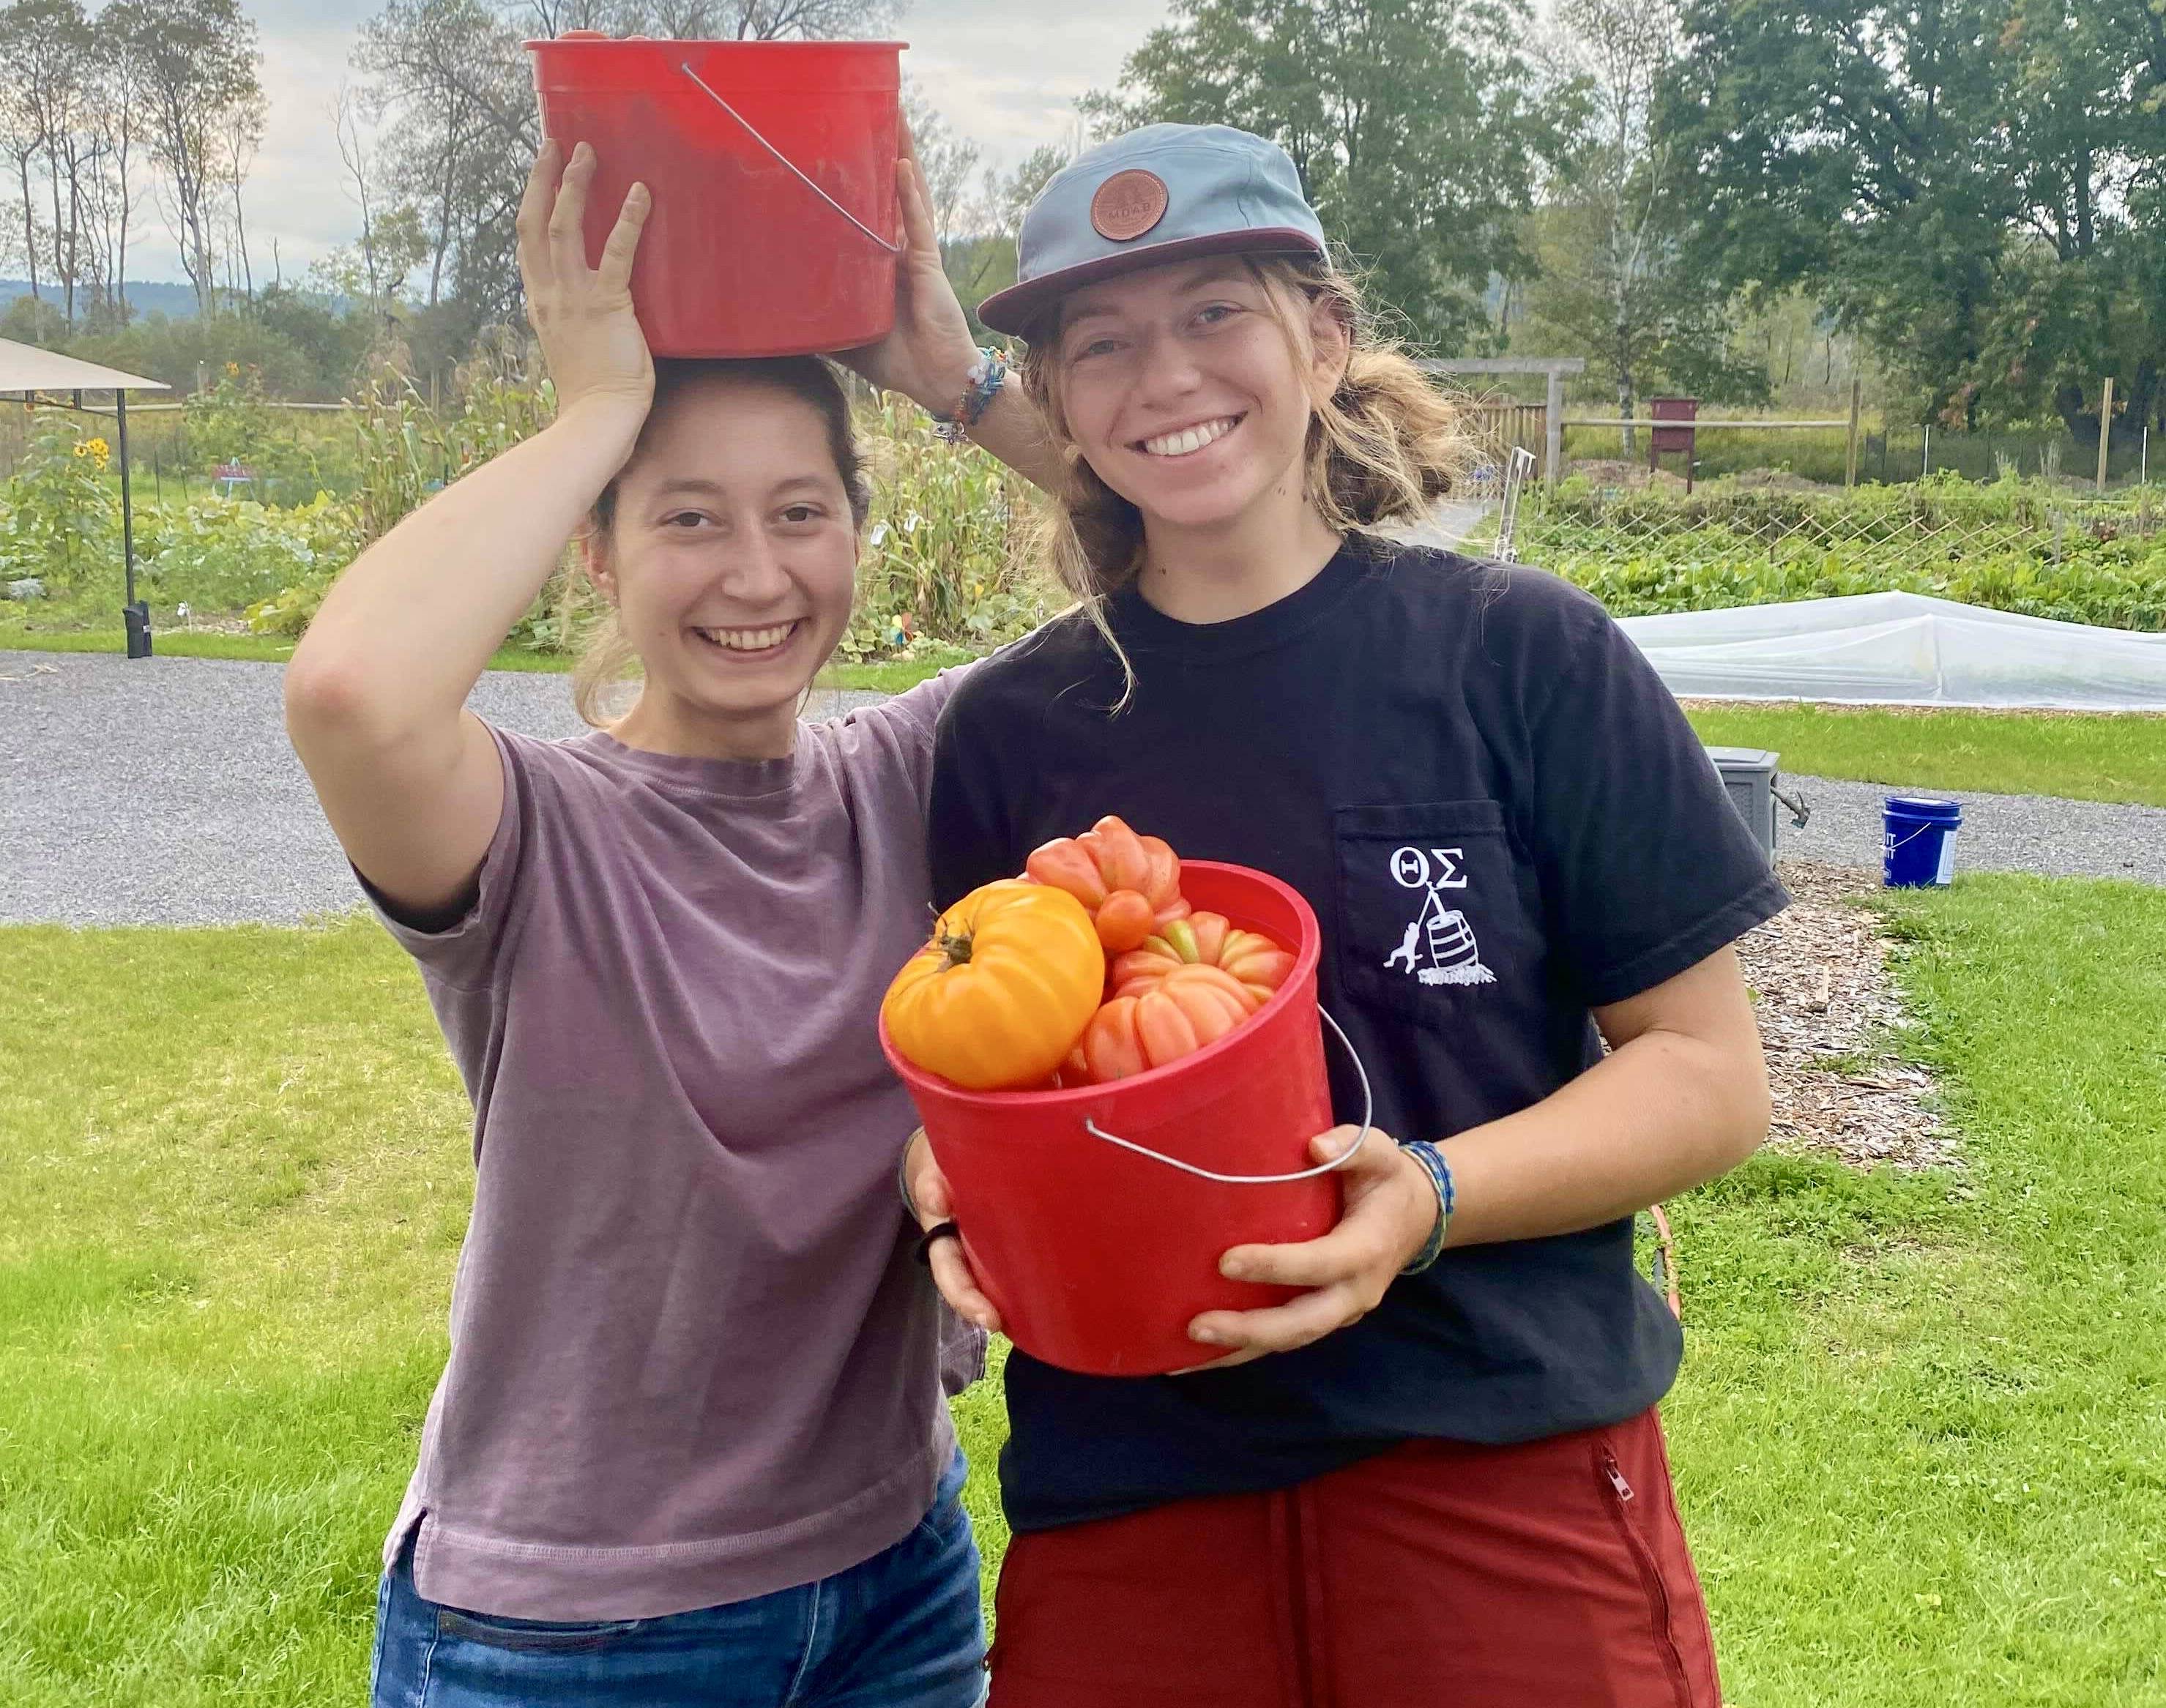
<point>1830,1019</point>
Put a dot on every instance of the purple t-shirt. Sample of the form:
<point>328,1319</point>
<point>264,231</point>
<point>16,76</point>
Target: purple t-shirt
<point>692,1360</point>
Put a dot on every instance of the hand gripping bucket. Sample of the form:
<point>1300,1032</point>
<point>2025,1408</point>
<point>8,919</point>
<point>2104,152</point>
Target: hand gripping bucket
<point>1918,842</point>
<point>774,228</point>
<point>1095,1218</point>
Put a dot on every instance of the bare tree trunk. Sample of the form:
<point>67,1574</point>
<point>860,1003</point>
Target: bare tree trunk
<point>120,253</point>
<point>353,154</point>
<point>29,223</point>
<point>240,241</point>
<point>63,274</point>
<point>444,211</point>
<point>240,153</point>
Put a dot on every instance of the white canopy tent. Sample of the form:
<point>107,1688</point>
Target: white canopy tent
<point>1903,649</point>
<point>32,374</point>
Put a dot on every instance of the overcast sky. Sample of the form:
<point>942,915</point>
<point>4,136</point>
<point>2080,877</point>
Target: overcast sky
<point>1005,72</point>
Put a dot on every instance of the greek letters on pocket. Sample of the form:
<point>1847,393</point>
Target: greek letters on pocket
<point>1433,910</point>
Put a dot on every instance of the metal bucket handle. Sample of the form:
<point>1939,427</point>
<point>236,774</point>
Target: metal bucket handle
<point>1905,841</point>
<point>752,131</point>
<point>1368,1125</point>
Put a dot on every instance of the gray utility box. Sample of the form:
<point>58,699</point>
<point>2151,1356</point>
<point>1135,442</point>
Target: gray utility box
<point>1748,776</point>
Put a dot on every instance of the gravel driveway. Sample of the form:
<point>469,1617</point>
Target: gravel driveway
<point>161,791</point>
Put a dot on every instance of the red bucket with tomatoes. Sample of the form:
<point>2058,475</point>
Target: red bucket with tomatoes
<point>1095,1216</point>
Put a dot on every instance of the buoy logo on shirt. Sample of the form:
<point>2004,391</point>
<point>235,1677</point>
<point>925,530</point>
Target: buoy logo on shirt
<point>1439,946</point>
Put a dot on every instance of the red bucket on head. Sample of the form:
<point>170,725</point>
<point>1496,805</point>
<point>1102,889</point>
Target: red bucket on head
<point>775,229</point>
<point>1098,1258</point>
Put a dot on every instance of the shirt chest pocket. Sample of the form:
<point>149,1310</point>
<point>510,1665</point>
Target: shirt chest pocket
<point>1440,916</point>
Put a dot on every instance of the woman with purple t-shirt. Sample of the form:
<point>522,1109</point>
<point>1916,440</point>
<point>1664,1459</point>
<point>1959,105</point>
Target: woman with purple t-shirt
<point>690,1443</point>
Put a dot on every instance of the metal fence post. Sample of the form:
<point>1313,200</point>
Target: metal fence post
<point>1856,402</point>
<point>2106,428</point>
<point>1553,428</point>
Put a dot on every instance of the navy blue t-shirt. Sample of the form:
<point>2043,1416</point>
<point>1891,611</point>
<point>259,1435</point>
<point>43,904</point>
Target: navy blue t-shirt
<point>1501,820</point>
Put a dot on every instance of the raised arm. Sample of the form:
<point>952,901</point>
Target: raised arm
<point>929,355</point>
<point>376,690</point>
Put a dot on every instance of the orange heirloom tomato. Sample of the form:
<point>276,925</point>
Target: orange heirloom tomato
<point>1012,976</point>
<point>1256,963</point>
<point>1104,869</point>
<point>1185,1010</point>
<point>1124,922</point>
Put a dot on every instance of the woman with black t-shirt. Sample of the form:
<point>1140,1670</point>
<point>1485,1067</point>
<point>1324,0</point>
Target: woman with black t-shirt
<point>1447,1482</point>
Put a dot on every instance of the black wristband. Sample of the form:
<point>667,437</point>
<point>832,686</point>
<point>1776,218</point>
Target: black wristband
<point>939,1230</point>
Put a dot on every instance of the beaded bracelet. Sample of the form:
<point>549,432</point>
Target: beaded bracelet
<point>1440,1176</point>
<point>987,378</point>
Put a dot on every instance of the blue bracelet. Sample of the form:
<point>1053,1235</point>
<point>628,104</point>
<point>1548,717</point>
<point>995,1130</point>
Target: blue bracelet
<point>987,379</point>
<point>1440,1176</point>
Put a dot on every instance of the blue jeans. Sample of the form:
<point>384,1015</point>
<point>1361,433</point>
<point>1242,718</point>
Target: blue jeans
<point>902,1630</point>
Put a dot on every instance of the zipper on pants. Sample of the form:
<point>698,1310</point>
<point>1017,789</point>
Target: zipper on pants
<point>1650,1576</point>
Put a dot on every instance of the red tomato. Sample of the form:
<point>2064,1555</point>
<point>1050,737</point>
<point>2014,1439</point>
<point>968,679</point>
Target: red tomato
<point>1256,963</point>
<point>1105,860</point>
<point>1183,1011</point>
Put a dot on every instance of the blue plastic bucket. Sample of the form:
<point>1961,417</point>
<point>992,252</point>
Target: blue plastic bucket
<point>1918,845</point>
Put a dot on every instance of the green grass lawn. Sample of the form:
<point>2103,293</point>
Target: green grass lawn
<point>2084,757</point>
<point>1920,1437</point>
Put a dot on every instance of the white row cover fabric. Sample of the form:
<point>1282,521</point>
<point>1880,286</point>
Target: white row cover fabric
<point>1902,649</point>
<point>24,367</point>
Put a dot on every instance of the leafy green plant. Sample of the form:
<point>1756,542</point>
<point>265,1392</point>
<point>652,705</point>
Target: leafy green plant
<point>289,612</point>
<point>939,562</point>
<point>233,423</point>
<point>60,519</point>
<point>2014,545</point>
<point>410,445</point>
<point>225,554</point>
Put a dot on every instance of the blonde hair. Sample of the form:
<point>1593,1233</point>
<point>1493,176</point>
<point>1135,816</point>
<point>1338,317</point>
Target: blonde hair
<point>608,662</point>
<point>1382,448</point>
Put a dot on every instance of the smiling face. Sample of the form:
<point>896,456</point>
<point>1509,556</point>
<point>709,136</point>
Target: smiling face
<point>731,556</point>
<point>1183,389</point>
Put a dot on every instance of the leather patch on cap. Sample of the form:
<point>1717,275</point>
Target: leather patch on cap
<point>1128,204</point>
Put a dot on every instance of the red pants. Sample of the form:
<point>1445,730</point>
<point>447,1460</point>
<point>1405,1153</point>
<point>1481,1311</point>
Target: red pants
<point>1552,1574</point>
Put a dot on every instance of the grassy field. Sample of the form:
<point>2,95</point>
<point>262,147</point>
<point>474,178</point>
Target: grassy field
<point>2083,756</point>
<point>1921,1438</point>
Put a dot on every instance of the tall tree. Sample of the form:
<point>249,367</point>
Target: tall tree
<point>1412,123</point>
<point>239,136</point>
<point>1963,182</point>
<point>49,69</point>
<point>1614,281</point>
<point>198,63</point>
<point>948,160</point>
<point>446,68</point>
<point>118,79</point>
<point>981,260</point>
<point>21,136</point>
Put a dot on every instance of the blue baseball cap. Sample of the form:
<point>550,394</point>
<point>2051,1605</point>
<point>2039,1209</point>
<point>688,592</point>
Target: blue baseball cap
<point>1163,193</point>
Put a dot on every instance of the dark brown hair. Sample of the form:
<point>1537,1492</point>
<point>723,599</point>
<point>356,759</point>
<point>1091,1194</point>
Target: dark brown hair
<point>606,659</point>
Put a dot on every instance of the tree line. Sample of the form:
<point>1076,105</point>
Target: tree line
<point>1692,194</point>
<point>98,114</point>
<point>1974,190</point>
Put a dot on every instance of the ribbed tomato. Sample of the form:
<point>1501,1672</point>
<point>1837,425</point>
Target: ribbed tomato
<point>1184,1010</point>
<point>1256,963</point>
<point>1111,870</point>
<point>1010,977</point>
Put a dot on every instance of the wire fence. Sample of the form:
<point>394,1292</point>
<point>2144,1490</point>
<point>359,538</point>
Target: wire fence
<point>2027,546</point>
<point>176,453</point>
